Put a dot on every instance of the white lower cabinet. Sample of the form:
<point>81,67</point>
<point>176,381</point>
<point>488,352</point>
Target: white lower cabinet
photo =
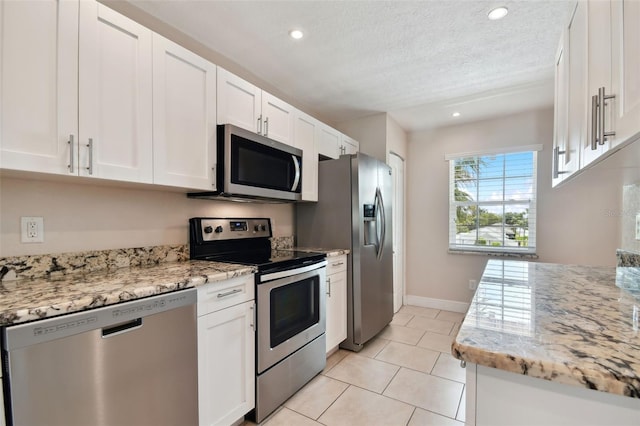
<point>336,316</point>
<point>497,397</point>
<point>226,351</point>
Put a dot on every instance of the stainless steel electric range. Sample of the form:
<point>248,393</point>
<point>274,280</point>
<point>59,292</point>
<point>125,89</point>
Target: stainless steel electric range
<point>290,303</point>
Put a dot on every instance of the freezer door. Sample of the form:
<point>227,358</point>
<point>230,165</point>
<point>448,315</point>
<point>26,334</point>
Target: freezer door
<point>372,267</point>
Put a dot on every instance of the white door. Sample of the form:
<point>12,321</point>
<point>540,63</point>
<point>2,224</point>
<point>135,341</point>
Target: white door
<point>397,167</point>
<point>277,119</point>
<point>239,102</point>
<point>115,100</point>
<point>39,80</point>
<point>626,68</point>
<point>184,117</point>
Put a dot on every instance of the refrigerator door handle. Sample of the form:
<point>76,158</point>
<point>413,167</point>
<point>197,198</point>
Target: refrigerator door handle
<point>383,223</point>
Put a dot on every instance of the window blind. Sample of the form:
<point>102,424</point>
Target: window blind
<point>492,202</point>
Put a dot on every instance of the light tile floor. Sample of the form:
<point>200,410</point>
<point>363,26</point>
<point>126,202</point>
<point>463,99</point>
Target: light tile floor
<point>404,376</point>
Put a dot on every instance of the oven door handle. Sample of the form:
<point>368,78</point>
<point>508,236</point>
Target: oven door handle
<point>292,272</point>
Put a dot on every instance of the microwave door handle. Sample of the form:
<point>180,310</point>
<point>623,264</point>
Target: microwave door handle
<point>296,164</point>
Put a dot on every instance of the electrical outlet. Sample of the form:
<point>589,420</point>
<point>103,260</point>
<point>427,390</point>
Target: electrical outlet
<point>473,284</point>
<point>32,229</point>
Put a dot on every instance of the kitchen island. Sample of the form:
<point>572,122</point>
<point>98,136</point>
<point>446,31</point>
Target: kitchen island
<point>550,344</point>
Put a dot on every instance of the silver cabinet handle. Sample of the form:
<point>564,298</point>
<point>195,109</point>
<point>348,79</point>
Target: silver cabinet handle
<point>90,146</point>
<point>602,97</point>
<point>463,363</point>
<point>266,126</point>
<point>259,126</point>
<point>296,179</point>
<point>329,286</point>
<point>253,316</point>
<point>72,150</point>
<point>337,264</point>
<point>229,293</point>
<point>556,162</point>
<point>594,122</point>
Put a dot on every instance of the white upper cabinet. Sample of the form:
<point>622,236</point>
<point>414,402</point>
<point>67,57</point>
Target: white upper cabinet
<point>239,102</point>
<point>333,144</point>
<point>576,77</point>
<point>115,127</point>
<point>306,134</point>
<point>277,119</point>
<point>625,31</point>
<point>184,117</point>
<point>599,80</point>
<point>242,104</point>
<point>329,141</point>
<point>39,81</point>
<point>561,108</point>
<point>348,145</point>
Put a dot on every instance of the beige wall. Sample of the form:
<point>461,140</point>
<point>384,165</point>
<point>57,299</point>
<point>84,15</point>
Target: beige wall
<point>575,224</point>
<point>80,217</point>
<point>396,138</point>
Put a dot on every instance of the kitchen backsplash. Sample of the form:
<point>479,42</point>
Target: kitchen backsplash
<point>58,265</point>
<point>630,210</point>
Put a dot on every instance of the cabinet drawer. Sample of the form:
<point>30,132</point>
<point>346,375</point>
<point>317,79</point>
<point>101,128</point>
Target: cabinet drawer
<point>219,295</point>
<point>336,264</point>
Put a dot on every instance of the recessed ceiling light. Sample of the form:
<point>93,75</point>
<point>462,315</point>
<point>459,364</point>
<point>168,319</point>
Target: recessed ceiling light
<point>296,34</point>
<point>455,114</point>
<point>498,13</point>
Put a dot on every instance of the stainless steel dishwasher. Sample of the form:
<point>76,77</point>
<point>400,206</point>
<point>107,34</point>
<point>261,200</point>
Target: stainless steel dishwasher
<point>129,364</point>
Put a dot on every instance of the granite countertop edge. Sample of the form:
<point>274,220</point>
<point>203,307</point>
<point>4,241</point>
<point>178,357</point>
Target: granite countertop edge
<point>34,299</point>
<point>548,354</point>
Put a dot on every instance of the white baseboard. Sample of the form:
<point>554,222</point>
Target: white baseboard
<point>445,305</point>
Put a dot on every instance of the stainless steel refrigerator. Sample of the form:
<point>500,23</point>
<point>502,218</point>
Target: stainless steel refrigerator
<point>354,211</point>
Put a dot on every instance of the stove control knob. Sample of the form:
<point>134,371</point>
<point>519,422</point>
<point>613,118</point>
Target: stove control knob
<point>208,229</point>
<point>218,229</point>
<point>263,228</point>
<point>256,228</point>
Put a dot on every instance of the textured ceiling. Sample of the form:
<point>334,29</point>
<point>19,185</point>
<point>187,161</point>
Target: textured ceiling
<point>416,60</point>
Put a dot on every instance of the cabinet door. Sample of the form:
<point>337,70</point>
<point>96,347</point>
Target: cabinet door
<point>625,15</point>
<point>239,102</point>
<point>599,72</point>
<point>184,117</point>
<point>39,81</point>
<point>561,108</point>
<point>349,145</point>
<point>329,142</point>
<point>306,131</point>
<point>569,162</point>
<point>336,309</point>
<point>115,96</point>
<point>277,119</point>
<point>226,365</point>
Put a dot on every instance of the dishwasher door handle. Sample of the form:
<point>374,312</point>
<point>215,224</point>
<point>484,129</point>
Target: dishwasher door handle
<point>121,328</point>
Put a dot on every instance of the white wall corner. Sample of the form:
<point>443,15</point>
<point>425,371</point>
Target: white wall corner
<point>445,305</point>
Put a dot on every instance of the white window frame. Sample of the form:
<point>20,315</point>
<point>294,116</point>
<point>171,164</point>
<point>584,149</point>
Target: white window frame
<point>453,204</point>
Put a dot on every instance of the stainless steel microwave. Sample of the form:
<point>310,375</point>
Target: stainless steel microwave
<point>253,167</point>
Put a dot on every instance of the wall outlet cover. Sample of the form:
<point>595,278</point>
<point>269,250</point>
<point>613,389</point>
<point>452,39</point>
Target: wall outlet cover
<point>32,229</point>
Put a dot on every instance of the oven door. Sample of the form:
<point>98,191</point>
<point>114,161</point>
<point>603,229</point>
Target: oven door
<point>258,166</point>
<point>291,312</point>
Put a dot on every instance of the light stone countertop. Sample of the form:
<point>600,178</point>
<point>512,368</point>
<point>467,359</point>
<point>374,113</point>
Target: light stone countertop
<point>37,298</point>
<point>328,252</point>
<point>564,323</point>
